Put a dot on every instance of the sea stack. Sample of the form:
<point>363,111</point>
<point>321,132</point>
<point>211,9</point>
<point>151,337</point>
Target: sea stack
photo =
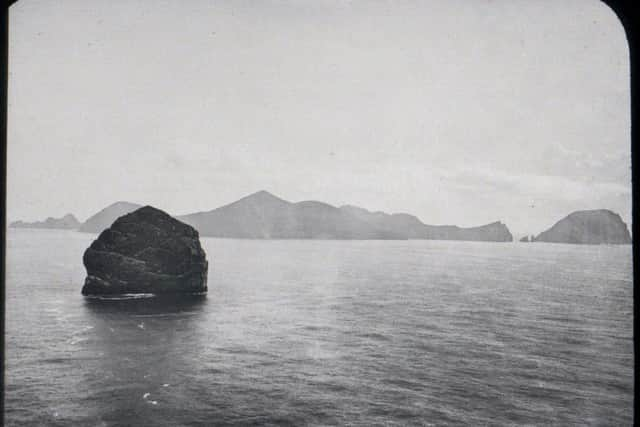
<point>146,251</point>
<point>592,227</point>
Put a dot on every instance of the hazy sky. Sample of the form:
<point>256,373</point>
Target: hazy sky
<point>460,112</point>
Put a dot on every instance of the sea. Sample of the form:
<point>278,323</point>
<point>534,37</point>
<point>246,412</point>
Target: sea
<point>324,333</point>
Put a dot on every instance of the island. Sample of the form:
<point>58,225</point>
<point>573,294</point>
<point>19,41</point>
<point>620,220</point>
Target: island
<point>263,215</point>
<point>67,222</point>
<point>146,252</point>
<point>589,227</point>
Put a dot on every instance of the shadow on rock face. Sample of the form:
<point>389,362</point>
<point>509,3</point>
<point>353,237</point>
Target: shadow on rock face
<point>145,304</point>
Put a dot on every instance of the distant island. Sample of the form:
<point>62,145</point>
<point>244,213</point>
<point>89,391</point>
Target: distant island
<point>593,227</point>
<point>262,215</point>
<point>67,222</point>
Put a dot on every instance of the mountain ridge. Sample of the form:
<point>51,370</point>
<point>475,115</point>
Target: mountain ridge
<point>263,215</point>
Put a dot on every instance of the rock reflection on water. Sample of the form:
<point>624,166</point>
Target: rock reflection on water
<point>143,349</point>
<point>146,304</point>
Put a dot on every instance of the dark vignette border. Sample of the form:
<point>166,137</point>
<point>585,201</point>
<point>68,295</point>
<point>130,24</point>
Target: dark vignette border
<point>629,17</point>
<point>4,30</point>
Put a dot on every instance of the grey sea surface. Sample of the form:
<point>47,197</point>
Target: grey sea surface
<point>296,332</point>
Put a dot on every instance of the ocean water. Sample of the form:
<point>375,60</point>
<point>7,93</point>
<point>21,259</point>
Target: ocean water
<point>326,333</point>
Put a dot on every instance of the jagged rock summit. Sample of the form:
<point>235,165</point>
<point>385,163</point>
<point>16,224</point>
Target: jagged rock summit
<point>600,226</point>
<point>146,251</point>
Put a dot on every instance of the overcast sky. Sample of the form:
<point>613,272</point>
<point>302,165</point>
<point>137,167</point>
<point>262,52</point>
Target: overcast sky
<point>460,112</point>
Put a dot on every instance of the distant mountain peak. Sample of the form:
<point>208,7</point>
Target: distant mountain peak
<point>122,203</point>
<point>265,194</point>
<point>262,196</point>
<point>105,217</point>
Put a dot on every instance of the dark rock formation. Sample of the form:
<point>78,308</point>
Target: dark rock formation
<point>104,218</point>
<point>588,227</point>
<point>67,222</point>
<point>265,216</point>
<point>146,251</point>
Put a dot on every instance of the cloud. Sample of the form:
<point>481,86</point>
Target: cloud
<point>534,186</point>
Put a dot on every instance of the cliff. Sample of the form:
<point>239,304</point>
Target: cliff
<point>590,227</point>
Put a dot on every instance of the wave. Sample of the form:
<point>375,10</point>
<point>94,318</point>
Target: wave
<point>120,297</point>
<point>146,399</point>
<point>180,313</point>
